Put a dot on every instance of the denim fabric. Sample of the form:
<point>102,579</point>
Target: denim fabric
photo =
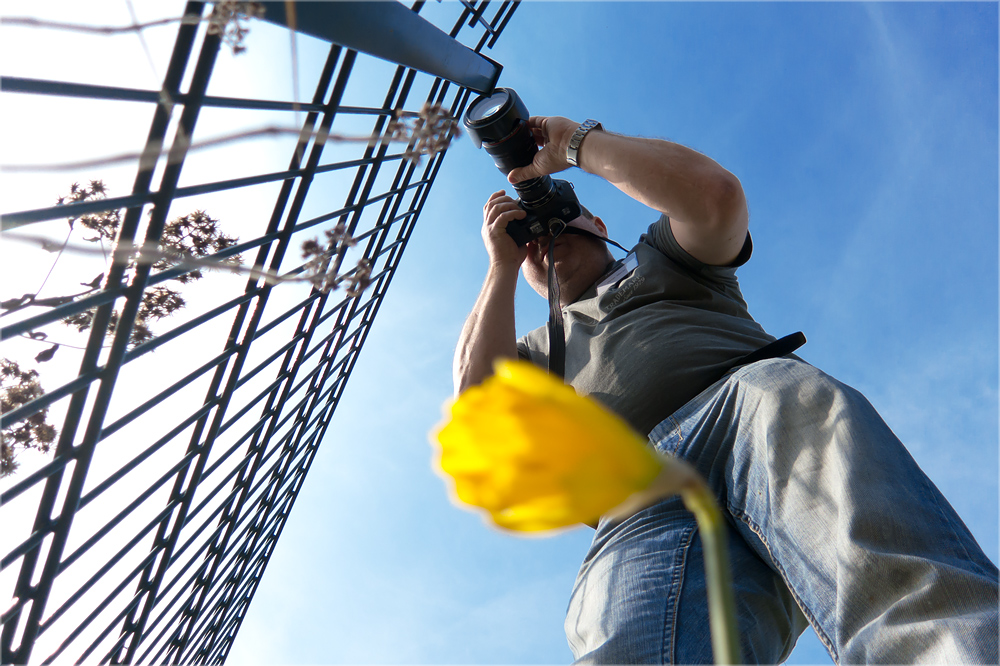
<point>831,520</point>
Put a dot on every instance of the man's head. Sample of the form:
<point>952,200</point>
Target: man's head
<point>579,260</point>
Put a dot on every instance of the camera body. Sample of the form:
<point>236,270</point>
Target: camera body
<point>499,123</point>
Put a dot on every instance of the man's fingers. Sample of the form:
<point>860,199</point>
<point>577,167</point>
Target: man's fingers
<point>496,195</point>
<point>537,123</point>
<point>501,217</point>
<point>500,210</point>
<point>522,173</point>
<point>541,138</point>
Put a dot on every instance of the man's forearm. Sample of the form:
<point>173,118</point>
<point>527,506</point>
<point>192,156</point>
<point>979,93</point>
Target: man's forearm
<point>489,331</point>
<point>666,176</point>
<point>704,201</point>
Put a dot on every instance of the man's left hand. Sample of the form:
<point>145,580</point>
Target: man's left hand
<point>552,134</point>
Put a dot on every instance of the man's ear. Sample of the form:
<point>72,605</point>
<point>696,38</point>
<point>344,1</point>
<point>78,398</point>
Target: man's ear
<point>599,223</point>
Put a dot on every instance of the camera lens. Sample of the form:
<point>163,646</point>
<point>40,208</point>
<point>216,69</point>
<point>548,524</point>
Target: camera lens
<point>485,108</point>
<point>536,192</point>
<point>499,123</point>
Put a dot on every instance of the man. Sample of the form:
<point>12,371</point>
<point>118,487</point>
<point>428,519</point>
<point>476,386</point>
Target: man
<point>831,521</point>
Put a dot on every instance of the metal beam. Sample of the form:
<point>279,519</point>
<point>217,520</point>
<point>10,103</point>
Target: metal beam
<point>390,31</point>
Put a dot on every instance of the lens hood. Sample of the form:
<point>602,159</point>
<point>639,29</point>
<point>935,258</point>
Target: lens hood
<point>492,118</point>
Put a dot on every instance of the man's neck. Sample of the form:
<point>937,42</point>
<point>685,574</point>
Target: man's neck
<point>580,283</point>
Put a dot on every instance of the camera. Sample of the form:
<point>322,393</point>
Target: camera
<point>498,122</point>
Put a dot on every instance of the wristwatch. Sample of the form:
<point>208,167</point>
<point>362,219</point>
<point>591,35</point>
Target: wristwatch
<point>573,149</point>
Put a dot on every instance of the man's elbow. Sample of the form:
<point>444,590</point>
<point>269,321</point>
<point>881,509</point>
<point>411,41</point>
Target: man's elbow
<point>731,213</point>
<point>467,375</point>
<point>469,372</point>
<point>461,376</point>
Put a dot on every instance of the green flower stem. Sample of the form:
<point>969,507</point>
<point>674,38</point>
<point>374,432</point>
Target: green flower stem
<point>700,501</point>
<point>677,477</point>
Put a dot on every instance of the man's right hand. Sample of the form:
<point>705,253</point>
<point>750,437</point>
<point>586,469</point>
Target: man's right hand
<point>499,211</point>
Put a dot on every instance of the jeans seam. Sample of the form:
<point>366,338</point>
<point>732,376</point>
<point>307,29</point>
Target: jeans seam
<point>669,643</point>
<point>932,498</point>
<point>827,643</point>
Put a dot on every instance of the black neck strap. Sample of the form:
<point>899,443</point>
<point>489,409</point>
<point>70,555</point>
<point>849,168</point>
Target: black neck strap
<point>557,332</point>
<point>586,232</point>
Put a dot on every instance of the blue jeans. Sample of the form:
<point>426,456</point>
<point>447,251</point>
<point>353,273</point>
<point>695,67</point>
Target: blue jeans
<point>831,523</point>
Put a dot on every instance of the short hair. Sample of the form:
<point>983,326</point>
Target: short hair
<point>586,212</point>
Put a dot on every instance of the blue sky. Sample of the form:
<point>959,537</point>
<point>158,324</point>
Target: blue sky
<point>865,136</point>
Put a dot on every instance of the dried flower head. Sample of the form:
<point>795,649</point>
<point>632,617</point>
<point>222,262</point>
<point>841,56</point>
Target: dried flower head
<point>17,388</point>
<point>360,280</point>
<point>319,259</point>
<point>431,131</point>
<point>229,19</point>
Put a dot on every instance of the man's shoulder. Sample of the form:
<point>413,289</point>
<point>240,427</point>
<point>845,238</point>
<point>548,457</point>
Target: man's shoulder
<point>533,345</point>
<point>660,236</point>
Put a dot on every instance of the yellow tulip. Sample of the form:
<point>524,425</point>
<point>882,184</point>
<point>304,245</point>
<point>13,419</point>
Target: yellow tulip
<point>536,456</point>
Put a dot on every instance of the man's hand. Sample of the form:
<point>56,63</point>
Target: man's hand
<point>552,134</point>
<point>499,211</point>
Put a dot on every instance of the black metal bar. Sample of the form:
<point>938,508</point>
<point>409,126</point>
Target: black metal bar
<point>103,297</point>
<point>46,399</point>
<point>17,84</point>
<point>390,31</point>
<point>11,221</point>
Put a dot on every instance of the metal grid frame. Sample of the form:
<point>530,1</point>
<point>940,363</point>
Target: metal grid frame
<point>184,601</point>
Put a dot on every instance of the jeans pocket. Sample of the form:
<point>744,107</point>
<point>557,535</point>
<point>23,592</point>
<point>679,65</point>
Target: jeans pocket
<point>666,437</point>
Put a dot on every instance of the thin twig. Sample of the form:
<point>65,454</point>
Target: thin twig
<point>149,158</point>
<point>55,261</point>
<point>142,39</point>
<point>29,22</point>
<point>292,32</point>
<point>26,336</point>
<point>225,20</point>
<point>150,254</point>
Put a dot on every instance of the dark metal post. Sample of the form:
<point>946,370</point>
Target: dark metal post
<point>390,31</point>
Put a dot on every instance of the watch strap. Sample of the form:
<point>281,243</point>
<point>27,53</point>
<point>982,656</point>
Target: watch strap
<point>573,149</point>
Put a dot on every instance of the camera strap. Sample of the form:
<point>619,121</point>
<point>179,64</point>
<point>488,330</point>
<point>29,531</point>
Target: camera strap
<point>556,327</point>
<point>585,232</point>
<point>557,333</point>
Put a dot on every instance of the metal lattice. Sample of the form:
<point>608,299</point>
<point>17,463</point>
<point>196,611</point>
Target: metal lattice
<point>156,515</point>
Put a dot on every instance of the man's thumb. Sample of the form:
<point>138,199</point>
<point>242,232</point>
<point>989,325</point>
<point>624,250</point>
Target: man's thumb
<point>518,174</point>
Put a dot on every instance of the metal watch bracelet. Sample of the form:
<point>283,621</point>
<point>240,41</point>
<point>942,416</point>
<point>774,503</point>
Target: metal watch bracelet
<point>573,149</point>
